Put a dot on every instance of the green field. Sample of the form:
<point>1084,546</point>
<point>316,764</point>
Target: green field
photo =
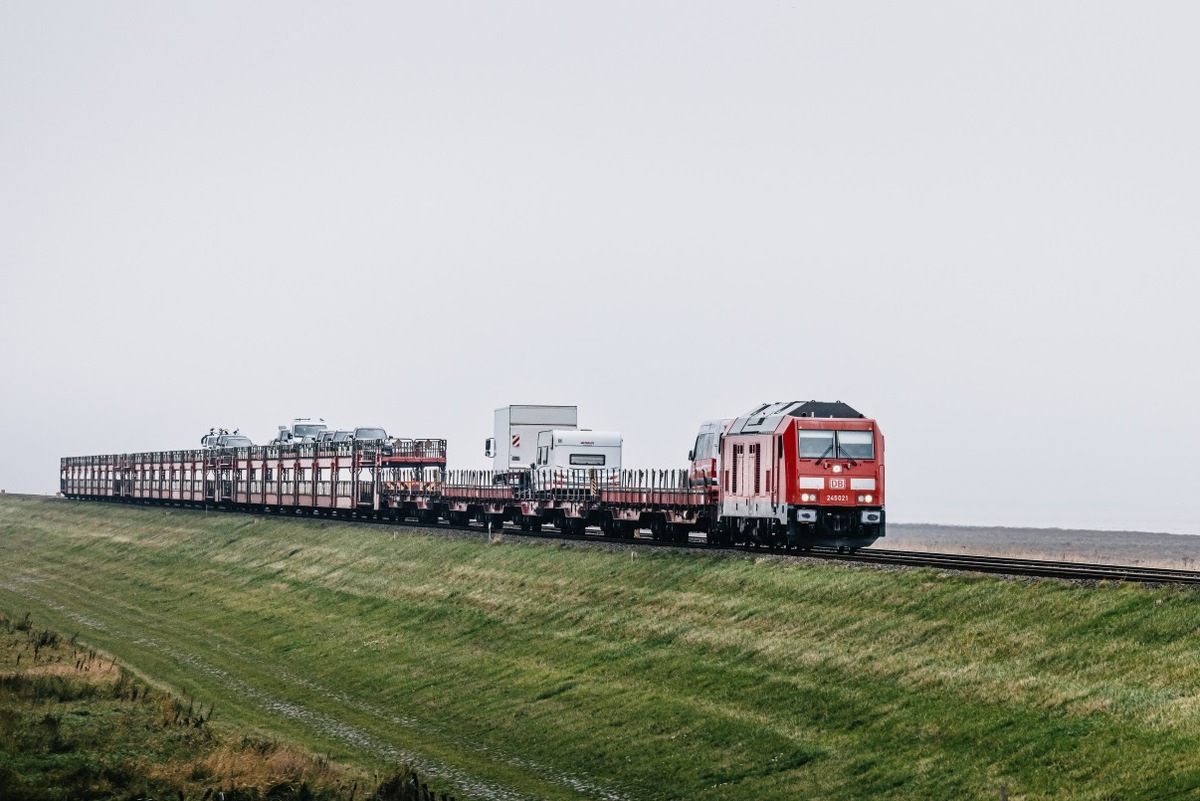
<point>74,724</point>
<point>521,669</point>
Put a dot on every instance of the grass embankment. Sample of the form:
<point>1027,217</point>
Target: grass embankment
<point>523,670</point>
<point>75,724</point>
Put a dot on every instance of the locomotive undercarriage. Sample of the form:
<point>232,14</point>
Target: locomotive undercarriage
<point>834,528</point>
<point>840,528</point>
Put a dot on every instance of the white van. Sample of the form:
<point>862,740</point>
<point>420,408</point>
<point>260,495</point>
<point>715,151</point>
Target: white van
<point>574,458</point>
<point>706,452</point>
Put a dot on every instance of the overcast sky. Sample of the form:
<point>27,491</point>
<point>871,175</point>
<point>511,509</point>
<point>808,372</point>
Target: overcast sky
<point>974,222</point>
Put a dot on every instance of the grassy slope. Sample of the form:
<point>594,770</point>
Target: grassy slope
<point>523,670</point>
<point>74,724</point>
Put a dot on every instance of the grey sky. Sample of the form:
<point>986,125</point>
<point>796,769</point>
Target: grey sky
<point>975,222</point>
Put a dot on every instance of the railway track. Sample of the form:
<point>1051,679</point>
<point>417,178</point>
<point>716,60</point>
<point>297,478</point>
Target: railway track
<point>999,565</point>
<point>1004,565</point>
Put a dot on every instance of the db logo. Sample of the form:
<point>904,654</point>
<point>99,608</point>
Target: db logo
<point>837,483</point>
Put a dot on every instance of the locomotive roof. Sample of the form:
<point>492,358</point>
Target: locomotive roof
<point>767,416</point>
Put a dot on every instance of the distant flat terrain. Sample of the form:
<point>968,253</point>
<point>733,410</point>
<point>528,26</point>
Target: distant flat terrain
<point>1076,545</point>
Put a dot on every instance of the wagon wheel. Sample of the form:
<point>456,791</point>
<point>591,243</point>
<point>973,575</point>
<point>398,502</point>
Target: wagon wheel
<point>658,527</point>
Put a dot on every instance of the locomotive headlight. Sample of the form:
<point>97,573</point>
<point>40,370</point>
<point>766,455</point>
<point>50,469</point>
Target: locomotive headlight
<point>807,497</point>
<point>837,468</point>
<point>866,498</point>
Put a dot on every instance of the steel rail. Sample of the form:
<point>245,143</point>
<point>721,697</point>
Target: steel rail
<point>973,563</point>
<point>1022,567</point>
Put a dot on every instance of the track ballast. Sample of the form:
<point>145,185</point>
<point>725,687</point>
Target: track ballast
<point>975,563</point>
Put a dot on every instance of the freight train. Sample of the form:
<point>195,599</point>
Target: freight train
<point>796,475</point>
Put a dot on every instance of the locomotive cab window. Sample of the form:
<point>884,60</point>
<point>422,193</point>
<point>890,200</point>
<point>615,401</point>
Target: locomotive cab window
<point>856,445</point>
<point>816,444</point>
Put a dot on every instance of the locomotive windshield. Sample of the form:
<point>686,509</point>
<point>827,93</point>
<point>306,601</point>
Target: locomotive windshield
<point>816,444</point>
<point>837,444</point>
<point>856,445</point>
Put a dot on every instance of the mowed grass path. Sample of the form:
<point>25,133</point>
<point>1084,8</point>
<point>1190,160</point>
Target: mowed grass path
<point>530,670</point>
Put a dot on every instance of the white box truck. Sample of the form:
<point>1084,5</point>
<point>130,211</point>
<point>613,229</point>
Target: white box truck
<point>514,446</point>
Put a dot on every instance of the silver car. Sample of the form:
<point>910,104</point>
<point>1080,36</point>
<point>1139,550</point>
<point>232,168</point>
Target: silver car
<point>216,440</point>
<point>370,435</point>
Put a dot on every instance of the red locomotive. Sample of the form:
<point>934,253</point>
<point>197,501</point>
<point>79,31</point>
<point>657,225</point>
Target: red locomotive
<point>801,474</point>
<point>796,474</point>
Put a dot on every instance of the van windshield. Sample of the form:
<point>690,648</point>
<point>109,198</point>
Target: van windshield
<point>370,433</point>
<point>310,430</point>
